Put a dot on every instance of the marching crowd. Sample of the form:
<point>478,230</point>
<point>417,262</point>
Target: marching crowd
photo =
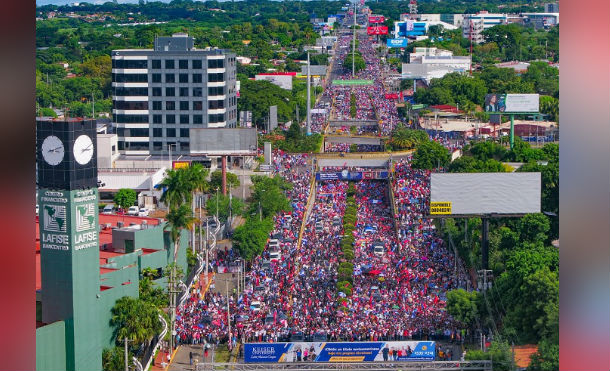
<point>401,271</point>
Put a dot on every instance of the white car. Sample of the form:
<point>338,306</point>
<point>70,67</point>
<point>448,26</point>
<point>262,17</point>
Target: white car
<point>275,256</point>
<point>143,211</point>
<point>378,250</point>
<point>133,210</point>
<point>37,209</point>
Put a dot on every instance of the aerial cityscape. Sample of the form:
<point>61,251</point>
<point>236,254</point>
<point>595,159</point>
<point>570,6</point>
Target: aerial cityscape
<point>308,185</point>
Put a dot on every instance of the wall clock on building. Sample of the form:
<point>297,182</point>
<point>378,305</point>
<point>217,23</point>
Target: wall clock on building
<point>83,149</point>
<point>52,150</point>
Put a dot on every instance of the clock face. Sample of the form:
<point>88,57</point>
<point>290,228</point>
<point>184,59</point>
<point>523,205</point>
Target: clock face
<point>52,150</point>
<point>83,149</point>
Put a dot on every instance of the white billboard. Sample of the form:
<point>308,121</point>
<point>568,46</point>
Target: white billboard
<point>512,103</point>
<point>484,193</point>
<point>283,81</point>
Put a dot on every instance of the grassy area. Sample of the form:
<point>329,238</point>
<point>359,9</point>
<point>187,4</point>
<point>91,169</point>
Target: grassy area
<point>222,354</point>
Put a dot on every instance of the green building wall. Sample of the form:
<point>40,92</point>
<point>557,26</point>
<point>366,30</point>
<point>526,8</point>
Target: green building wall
<point>51,347</point>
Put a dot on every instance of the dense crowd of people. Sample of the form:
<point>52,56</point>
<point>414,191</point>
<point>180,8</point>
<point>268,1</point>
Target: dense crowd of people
<point>402,268</point>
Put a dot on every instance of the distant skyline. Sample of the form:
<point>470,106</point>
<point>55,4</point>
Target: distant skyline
<point>98,2</point>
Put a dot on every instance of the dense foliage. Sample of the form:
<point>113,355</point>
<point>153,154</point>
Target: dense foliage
<point>403,138</point>
<point>216,179</point>
<point>234,205</point>
<point>430,155</point>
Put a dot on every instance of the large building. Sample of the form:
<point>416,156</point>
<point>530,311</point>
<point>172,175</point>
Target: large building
<point>473,25</point>
<point>161,93</point>
<point>429,63</point>
<point>85,261</point>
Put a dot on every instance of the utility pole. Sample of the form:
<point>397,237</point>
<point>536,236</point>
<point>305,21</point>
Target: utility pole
<point>207,249</point>
<point>308,96</point>
<point>217,203</point>
<point>200,224</point>
<point>126,354</point>
<point>93,105</point>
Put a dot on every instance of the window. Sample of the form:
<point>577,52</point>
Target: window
<point>184,146</point>
<point>184,119</point>
<point>157,146</point>
<point>130,92</point>
<point>184,133</point>
<point>157,105</point>
<point>170,92</point>
<point>156,64</point>
<point>138,132</point>
<point>157,119</point>
<point>170,77</point>
<point>136,146</point>
<point>156,92</point>
<point>156,77</point>
<point>216,118</point>
<point>170,119</point>
<point>216,77</point>
<point>216,90</point>
<point>184,77</point>
<point>129,77</point>
<point>157,132</point>
<point>197,64</point>
<point>197,105</point>
<point>169,63</point>
<point>216,63</point>
<point>141,119</point>
<point>121,104</point>
<point>171,132</point>
<point>197,119</point>
<point>183,64</point>
<point>184,92</point>
<point>184,105</point>
<point>121,144</point>
<point>130,63</point>
<point>170,105</point>
<point>215,104</point>
<point>197,92</point>
<point>197,78</point>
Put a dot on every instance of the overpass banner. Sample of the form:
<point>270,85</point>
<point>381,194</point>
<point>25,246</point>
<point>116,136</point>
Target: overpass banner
<point>339,352</point>
<point>351,175</point>
<point>376,19</point>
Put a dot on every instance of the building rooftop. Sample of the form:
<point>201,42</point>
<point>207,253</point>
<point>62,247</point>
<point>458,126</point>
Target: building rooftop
<point>105,238</point>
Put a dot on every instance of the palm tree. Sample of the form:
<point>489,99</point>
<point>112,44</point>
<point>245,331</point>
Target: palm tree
<point>135,319</point>
<point>178,219</point>
<point>175,191</point>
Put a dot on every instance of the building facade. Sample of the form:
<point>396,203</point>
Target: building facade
<point>473,25</point>
<point>161,93</point>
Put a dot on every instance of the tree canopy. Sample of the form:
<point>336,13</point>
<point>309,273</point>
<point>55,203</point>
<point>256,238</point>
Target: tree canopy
<point>125,197</point>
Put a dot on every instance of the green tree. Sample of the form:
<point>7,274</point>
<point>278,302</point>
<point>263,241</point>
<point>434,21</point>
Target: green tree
<point>269,192</point>
<point>152,293</point>
<point>175,190</point>
<point>216,179</point>
<point>533,228</point>
<point>100,66</point>
<point>359,63</point>
<point>462,305</point>
<point>499,353</point>
<point>546,358</point>
<point>250,238</point>
<point>237,206</point>
<point>136,320</point>
<point>125,198</point>
<point>405,138</point>
<point>550,106</point>
<point>430,155</point>
<point>113,359</point>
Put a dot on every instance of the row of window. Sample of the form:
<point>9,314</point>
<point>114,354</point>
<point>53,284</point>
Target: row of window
<point>157,146</point>
<point>169,91</point>
<point>169,77</point>
<point>129,63</point>
<point>184,105</point>
<point>183,64</point>
<point>186,119</point>
<point>120,104</point>
<point>184,92</point>
<point>156,132</point>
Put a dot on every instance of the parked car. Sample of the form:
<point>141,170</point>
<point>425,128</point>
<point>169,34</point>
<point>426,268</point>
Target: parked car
<point>133,210</point>
<point>143,211</point>
<point>108,209</point>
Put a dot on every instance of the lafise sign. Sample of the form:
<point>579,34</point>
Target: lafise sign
<point>55,223</point>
